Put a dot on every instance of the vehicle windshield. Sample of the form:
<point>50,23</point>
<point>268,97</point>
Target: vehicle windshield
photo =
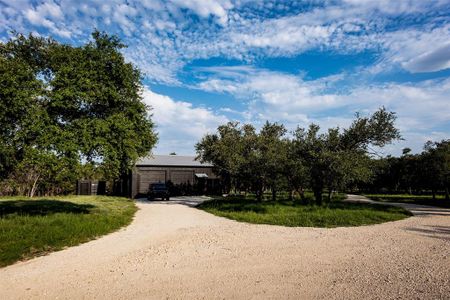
<point>159,186</point>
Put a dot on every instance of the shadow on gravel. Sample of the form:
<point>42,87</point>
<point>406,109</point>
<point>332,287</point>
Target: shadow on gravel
<point>416,209</point>
<point>420,210</point>
<point>41,207</point>
<point>439,232</point>
<point>191,201</point>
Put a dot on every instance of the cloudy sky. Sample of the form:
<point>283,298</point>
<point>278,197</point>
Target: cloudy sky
<point>210,61</point>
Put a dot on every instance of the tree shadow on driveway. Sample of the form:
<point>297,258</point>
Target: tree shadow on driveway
<point>439,232</point>
<point>191,201</point>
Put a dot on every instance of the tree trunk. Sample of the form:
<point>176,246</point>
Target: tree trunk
<point>274,194</point>
<point>318,196</point>
<point>259,192</point>
<point>291,195</point>
<point>259,195</point>
<point>329,195</point>
<point>33,188</point>
<point>433,191</point>
<point>447,196</point>
<point>303,199</point>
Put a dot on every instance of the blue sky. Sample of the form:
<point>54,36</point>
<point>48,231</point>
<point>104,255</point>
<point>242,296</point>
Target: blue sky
<point>207,62</point>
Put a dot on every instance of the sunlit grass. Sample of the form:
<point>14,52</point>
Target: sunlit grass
<point>293,214</point>
<point>33,227</point>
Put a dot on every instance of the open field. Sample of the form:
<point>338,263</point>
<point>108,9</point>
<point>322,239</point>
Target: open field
<point>34,227</point>
<point>412,199</point>
<point>288,213</point>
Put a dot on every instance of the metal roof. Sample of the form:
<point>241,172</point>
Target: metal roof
<point>171,160</point>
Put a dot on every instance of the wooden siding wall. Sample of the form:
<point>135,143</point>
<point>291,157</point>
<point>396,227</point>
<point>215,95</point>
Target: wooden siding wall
<point>142,176</point>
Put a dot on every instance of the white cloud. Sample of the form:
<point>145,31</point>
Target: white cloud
<point>163,36</point>
<point>45,15</point>
<point>205,8</point>
<point>44,10</point>
<point>180,125</point>
<point>430,61</point>
<point>392,7</point>
<point>421,107</point>
<point>425,50</point>
<point>272,95</point>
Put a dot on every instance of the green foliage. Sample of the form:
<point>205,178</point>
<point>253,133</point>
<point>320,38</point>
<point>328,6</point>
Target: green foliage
<point>30,228</point>
<point>68,106</point>
<point>333,160</point>
<point>436,165</point>
<point>287,213</point>
<point>413,173</point>
<point>338,159</point>
<point>244,158</point>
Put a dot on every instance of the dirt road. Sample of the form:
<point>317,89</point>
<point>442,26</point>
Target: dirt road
<point>176,251</point>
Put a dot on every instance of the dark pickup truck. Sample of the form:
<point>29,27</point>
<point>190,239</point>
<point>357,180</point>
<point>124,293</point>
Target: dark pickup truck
<point>158,190</point>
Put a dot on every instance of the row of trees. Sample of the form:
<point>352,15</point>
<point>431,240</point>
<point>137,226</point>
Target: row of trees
<point>428,171</point>
<point>253,161</point>
<point>68,112</point>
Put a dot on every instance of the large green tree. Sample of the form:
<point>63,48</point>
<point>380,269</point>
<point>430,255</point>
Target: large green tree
<point>273,154</point>
<point>71,105</point>
<point>336,159</point>
<point>250,160</point>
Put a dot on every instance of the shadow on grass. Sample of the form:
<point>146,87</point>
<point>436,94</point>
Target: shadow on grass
<point>250,205</point>
<point>360,206</point>
<point>236,205</point>
<point>41,207</point>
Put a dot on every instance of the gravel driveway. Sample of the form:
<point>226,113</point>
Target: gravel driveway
<point>176,251</point>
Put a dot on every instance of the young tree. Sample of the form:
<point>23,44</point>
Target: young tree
<point>249,160</point>
<point>295,171</point>
<point>335,159</point>
<point>224,150</point>
<point>272,154</point>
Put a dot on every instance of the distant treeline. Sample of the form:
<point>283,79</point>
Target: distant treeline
<point>427,172</point>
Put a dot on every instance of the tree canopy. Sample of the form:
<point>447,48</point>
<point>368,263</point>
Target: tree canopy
<point>269,159</point>
<point>66,109</point>
<point>335,159</point>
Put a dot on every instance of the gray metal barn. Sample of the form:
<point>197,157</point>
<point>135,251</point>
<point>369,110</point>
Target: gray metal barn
<point>177,170</point>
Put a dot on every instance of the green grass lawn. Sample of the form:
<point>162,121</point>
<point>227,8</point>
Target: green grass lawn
<point>291,214</point>
<point>414,199</point>
<point>33,227</point>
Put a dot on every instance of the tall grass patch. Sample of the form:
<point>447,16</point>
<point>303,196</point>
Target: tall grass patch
<point>293,214</point>
<point>33,227</point>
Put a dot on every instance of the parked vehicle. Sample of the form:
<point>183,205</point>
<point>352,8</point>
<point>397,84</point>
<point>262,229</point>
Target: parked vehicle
<point>158,190</point>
